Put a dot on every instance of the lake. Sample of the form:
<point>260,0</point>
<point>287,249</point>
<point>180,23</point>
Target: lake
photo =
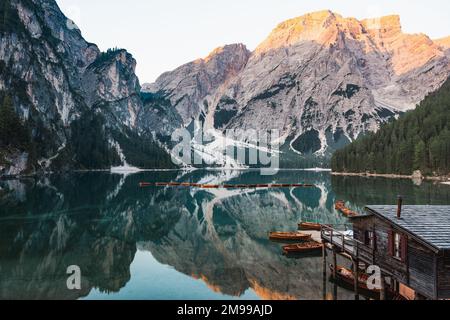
<point>176,243</point>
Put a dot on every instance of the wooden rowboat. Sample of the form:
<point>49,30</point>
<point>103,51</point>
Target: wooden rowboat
<point>306,247</point>
<point>347,276</point>
<point>289,236</point>
<point>185,184</point>
<point>276,185</point>
<point>210,186</point>
<point>145,184</point>
<point>161,184</point>
<point>348,213</point>
<point>340,206</point>
<point>309,226</point>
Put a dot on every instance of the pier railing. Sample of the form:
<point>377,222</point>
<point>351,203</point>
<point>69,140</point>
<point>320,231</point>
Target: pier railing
<point>345,243</point>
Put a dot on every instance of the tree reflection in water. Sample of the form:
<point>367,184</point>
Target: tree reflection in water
<point>99,221</point>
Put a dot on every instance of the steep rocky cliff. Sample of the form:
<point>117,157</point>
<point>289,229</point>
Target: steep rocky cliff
<point>321,79</point>
<point>445,44</point>
<point>79,105</point>
<point>188,86</point>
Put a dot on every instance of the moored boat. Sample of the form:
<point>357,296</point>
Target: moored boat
<point>289,236</point>
<point>145,184</point>
<point>300,248</point>
<point>348,213</point>
<point>340,206</point>
<point>310,226</point>
<point>185,184</point>
<point>347,276</point>
<point>210,186</point>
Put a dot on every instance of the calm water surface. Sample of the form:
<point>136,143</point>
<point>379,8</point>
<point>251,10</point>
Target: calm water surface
<point>175,243</point>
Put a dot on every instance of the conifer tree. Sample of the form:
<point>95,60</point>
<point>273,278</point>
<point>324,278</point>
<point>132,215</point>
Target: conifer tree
<point>418,140</point>
<point>13,132</point>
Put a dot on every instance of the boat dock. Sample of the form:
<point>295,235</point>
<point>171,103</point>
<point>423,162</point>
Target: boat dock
<point>225,186</point>
<point>343,244</point>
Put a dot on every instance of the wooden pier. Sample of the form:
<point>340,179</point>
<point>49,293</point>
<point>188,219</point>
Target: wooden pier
<point>341,243</point>
<point>226,186</point>
<point>346,245</point>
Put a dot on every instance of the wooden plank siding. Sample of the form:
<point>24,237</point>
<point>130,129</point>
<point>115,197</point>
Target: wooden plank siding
<point>443,270</point>
<point>417,271</point>
<point>422,269</point>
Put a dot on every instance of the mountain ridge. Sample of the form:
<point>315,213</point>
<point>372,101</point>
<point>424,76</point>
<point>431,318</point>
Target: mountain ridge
<point>322,80</point>
<point>418,141</point>
<point>197,79</point>
<point>80,105</point>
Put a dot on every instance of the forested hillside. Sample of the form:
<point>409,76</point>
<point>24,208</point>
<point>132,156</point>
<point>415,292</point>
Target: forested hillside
<point>418,140</point>
<point>64,104</point>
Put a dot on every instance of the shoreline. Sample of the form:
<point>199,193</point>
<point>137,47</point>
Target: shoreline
<point>442,179</point>
<point>130,170</point>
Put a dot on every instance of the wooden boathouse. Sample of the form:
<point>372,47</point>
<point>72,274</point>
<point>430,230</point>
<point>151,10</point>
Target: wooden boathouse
<point>410,245</point>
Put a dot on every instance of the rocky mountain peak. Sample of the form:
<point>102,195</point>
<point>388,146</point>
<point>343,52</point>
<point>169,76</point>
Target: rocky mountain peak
<point>387,24</point>
<point>405,52</point>
<point>230,50</point>
<point>317,26</point>
<point>443,42</point>
<point>187,93</point>
<point>111,79</point>
<point>327,27</point>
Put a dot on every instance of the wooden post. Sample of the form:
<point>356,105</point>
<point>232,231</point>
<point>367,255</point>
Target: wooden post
<point>324,265</point>
<point>356,276</point>
<point>334,264</point>
<point>374,244</point>
<point>334,274</point>
<point>383,288</point>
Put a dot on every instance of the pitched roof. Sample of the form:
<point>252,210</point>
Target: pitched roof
<point>429,224</point>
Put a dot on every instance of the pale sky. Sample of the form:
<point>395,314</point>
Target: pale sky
<point>164,34</point>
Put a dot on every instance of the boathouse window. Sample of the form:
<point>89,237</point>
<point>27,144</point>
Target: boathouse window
<point>398,244</point>
<point>369,239</point>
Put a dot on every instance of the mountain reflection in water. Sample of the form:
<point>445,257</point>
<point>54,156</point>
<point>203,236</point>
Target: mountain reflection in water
<point>175,243</point>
